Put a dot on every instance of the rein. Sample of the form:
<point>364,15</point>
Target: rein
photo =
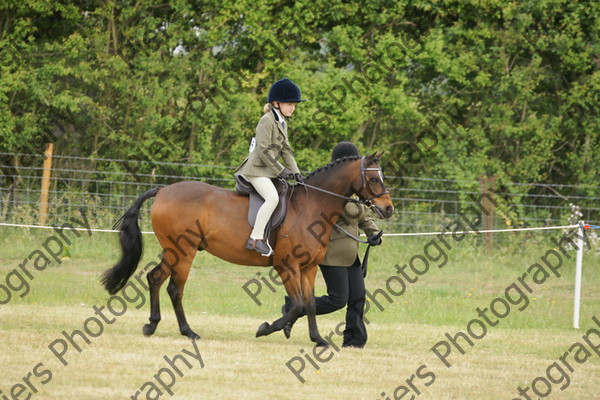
<point>368,202</point>
<point>351,236</point>
<point>289,198</point>
<point>330,192</point>
<point>363,183</point>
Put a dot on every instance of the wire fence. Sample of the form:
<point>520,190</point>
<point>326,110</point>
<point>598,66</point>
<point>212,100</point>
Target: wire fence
<point>105,188</point>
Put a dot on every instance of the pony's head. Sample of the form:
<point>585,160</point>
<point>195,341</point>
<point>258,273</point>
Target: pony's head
<point>355,175</point>
<point>370,188</point>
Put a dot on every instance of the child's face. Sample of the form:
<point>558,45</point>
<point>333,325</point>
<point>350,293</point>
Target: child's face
<point>287,109</point>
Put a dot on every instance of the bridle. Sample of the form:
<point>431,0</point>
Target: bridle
<point>363,184</point>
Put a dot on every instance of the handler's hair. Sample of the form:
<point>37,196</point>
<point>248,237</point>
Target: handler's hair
<point>268,107</point>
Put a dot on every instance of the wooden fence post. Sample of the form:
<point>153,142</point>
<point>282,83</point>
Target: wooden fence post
<point>487,182</point>
<point>47,170</point>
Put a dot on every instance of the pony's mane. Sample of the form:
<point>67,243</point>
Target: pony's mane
<point>332,164</point>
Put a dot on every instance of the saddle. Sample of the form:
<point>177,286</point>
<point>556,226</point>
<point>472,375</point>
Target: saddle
<point>245,188</point>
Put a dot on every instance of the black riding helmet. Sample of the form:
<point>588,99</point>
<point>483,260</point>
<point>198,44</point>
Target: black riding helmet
<point>344,149</point>
<point>284,91</point>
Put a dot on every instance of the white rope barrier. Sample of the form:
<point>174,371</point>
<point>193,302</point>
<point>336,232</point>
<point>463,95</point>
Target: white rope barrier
<point>70,228</point>
<point>578,266</point>
<point>541,228</point>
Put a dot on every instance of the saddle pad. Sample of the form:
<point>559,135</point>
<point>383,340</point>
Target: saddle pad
<point>244,188</point>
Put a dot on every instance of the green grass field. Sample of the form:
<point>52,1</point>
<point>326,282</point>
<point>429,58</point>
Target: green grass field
<point>534,332</point>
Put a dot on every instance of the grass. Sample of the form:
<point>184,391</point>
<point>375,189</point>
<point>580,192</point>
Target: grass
<point>120,360</point>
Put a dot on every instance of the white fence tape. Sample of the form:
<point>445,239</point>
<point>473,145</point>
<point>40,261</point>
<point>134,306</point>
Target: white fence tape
<point>578,266</point>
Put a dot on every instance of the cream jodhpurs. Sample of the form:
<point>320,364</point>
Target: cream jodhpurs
<point>264,186</point>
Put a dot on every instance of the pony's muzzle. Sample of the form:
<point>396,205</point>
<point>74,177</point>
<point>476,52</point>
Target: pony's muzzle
<point>389,210</point>
<point>383,212</point>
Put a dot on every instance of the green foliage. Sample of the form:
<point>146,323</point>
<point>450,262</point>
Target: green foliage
<point>508,88</point>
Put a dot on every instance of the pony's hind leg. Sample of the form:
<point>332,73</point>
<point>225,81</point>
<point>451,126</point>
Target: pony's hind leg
<point>175,291</point>
<point>156,277</point>
<point>179,276</point>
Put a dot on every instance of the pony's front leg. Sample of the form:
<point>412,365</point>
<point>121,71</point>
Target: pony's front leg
<point>290,275</point>
<point>292,315</point>
<point>310,305</point>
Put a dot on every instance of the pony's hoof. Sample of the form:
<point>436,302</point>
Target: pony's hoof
<point>263,329</point>
<point>192,335</point>
<point>186,331</point>
<point>322,343</point>
<point>149,329</point>
<point>287,330</point>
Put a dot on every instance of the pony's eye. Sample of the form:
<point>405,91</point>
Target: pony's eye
<point>374,180</point>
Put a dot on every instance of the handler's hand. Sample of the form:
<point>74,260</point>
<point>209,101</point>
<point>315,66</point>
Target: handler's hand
<point>375,239</point>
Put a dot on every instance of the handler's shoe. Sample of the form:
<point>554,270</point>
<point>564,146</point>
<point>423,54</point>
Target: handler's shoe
<point>260,246</point>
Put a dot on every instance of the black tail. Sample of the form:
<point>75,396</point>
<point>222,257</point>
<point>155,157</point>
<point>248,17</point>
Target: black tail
<point>130,236</point>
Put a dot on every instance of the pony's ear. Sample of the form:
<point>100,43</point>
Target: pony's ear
<point>370,158</point>
<point>373,158</point>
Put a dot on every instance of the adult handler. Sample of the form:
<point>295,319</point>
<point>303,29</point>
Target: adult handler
<point>341,266</point>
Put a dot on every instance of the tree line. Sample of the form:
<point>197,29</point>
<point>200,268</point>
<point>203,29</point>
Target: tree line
<point>449,89</point>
